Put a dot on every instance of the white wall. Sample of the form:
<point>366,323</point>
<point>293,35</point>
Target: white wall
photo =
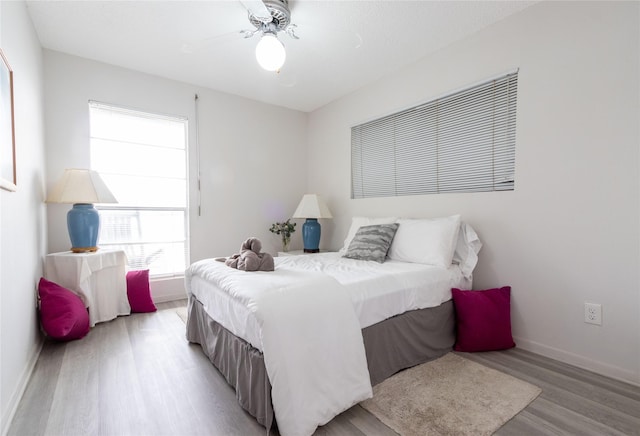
<point>250,153</point>
<point>22,213</point>
<point>569,233</point>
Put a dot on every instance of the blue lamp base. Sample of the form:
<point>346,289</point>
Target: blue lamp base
<point>83,223</point>
<point>311,235</point>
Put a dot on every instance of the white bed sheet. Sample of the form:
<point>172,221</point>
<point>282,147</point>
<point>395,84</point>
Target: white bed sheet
<point>377,291</point>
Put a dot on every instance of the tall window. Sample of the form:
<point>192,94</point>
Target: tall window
<point>462,142</point>
<point>142,158</point>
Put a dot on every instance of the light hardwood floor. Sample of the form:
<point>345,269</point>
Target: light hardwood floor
<point>137,375</point>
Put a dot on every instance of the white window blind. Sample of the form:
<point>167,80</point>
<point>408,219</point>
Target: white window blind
<point>142,158</point>
<point>462,142</point>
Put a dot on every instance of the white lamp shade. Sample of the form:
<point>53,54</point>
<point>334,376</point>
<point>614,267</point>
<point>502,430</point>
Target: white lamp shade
<point>312,206</point>
<point>270,52</point>
<point>80,186</point>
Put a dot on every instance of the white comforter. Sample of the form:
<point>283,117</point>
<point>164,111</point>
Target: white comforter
<point>377,291</point>
<point>310,337</point>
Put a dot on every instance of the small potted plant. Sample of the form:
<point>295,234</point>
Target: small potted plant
<point>285,230</point>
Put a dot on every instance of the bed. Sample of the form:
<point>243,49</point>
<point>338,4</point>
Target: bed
<point>290,339</point>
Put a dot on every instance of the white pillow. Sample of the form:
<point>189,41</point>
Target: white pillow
<point>359,221</point>
<point>427,241</point>
<point>467,248</point>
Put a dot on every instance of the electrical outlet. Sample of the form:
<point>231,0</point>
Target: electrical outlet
<point>593,313</point>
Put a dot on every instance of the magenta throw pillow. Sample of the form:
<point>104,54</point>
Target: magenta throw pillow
<point>138,291</point>
<point>483,319</point>
<point>62,313</point>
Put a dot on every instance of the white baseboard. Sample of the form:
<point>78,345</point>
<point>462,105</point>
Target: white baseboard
<point>601,368</point>
<point>171,289</point>
<point>21,386</point>
<point>169,297</point>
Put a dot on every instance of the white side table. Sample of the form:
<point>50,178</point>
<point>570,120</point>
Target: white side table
<point>99,279</point>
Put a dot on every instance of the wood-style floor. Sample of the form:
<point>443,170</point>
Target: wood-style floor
<point>137,375</point>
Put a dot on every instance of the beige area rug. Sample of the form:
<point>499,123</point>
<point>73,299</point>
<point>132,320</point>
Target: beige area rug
<point>449,396</point>
<point>182,313</point>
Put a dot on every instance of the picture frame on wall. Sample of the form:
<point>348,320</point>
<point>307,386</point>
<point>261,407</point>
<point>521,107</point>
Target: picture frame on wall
<point>7,127</point>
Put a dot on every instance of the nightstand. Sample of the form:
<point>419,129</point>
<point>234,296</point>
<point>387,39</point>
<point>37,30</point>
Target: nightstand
<point>99,279</point>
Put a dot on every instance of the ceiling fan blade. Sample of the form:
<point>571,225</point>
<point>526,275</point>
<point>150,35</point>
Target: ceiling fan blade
<point>192,47</point>
<point>258,10</point>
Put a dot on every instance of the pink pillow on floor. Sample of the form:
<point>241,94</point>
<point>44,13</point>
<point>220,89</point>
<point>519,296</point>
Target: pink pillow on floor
<point>138,291</point>
<point>483,319</point>
<point>62,313</point>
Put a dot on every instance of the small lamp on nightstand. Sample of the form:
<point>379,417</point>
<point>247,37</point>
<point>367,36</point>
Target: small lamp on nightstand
<point>311,207</point>
<point>81,188</point>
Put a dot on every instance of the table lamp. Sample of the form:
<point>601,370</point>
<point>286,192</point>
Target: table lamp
<point>311,207</point>
<point>81,188</point>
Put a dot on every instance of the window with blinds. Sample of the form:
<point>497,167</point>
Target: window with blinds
<point>462,142</point>
<point>142,158</point>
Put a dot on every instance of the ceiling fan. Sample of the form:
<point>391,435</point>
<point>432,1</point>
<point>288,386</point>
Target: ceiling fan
<point>269,17</point>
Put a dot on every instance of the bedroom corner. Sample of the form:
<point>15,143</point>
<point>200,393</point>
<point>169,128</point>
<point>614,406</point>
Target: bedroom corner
<point>23,233</point>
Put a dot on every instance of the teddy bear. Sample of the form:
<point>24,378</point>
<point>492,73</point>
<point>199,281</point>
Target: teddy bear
<point>250,258</point>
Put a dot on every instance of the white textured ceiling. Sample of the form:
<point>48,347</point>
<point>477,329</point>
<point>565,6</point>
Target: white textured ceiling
<point>343,45</point>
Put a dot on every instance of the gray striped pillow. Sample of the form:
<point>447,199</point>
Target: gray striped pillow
<point>372,242</point>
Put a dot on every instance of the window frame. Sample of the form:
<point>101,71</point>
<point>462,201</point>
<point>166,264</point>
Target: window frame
<point>440,146</point>
<point>185,209</point>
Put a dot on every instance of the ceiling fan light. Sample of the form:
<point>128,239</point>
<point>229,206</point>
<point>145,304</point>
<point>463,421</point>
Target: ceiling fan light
<point>270,52</point>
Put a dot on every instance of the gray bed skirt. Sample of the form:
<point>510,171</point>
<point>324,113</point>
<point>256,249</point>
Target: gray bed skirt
<point>391,345</point>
